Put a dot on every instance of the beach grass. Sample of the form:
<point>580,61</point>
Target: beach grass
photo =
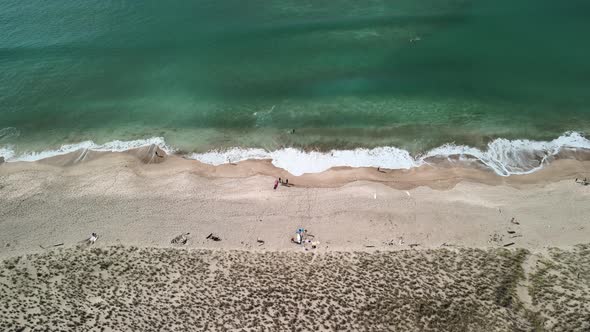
<point>164,289</point>
<point>560,288</point>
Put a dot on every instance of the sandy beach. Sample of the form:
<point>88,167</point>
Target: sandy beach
<point>412,166</point>
<point>128,199</point>
<point>143,199</point>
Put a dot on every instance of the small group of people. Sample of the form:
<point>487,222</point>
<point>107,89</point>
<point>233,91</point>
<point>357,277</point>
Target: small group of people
<point>303,238</point>
<point>281,182</point>
<point>583,182</point>
<point>298,238</point>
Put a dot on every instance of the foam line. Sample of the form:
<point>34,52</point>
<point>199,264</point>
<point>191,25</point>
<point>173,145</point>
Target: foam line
<point>114,146</point>
<point>503,156</point>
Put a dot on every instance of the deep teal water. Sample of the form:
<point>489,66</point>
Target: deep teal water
<point>343,74</point>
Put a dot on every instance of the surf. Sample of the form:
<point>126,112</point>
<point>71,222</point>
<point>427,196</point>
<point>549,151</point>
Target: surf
<point>502,156</point>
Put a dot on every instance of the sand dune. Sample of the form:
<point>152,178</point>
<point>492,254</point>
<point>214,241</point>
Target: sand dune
<point>126,288</point>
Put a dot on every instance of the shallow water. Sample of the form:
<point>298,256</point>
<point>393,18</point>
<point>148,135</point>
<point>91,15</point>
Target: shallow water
<point>344,74</point>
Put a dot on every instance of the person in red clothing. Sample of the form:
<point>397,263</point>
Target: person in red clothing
<point>276,184</point>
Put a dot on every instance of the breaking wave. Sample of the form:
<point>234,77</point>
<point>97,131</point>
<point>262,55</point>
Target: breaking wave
<point>115,146</point>
<point>505,157</point>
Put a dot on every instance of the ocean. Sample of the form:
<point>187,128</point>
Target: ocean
<point>309,83</point>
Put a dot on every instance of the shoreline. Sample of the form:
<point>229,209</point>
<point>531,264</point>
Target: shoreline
<point>145,199</point>
<point>502,156</point>
<point>440,173</point>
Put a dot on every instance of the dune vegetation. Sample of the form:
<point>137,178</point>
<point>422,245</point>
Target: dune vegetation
<point>172,289</point>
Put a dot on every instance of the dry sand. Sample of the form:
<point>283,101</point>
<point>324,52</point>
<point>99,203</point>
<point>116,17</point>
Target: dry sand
<point>450,222</point>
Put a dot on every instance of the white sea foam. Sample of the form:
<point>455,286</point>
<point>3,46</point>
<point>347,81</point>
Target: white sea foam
<point>298,162</point>
<point>503,156</point>
<point>6,152</point>
<point>511,157</point>
<point>116,146</point>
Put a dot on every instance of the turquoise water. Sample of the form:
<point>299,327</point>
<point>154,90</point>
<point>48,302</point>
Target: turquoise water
<point>343,74</point>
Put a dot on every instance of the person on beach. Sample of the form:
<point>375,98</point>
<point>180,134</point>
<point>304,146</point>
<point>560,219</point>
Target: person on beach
<point>276,184</point>
<point>93,238</point>
<point>298,239</point>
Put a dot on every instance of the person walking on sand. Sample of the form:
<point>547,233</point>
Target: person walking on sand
<point>276,184</point>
